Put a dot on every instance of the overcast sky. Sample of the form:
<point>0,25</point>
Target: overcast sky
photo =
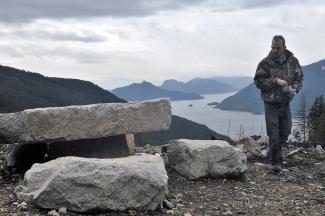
<point>116,42</point>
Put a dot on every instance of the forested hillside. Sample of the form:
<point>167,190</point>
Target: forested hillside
<point>21,90</point>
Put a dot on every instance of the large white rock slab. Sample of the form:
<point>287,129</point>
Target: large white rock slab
<point>86,185</point>
<point>205,158</point>
<point>85,122</point>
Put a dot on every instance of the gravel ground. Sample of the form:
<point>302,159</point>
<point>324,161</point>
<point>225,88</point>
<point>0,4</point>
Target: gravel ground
<point>298,190</point>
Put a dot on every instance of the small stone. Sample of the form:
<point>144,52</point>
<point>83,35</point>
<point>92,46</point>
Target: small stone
<point>13,214</point>
<point>259,164</point>
<point>168,204</point>
<point>264,153</point>
<point>132,212</point>
<point>180,205</point>
<point>15,203</point>
<point>22,205</point>
<point>63,210</point>
<point>11,196</point>
<point>2,210</point>
<point>170,212</point>
<point>227,212</point>
<point>187,214</point>
<point>252,182</point>
<point>310,177</point>
<point>319,148</point>
<point>293,152</point>
<point>291,179</point>
<point>53,213</point>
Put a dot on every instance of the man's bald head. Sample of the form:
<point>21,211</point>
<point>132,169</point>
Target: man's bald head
<point>279,38</point>
<point>278,46</point>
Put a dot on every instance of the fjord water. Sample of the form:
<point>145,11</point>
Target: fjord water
<point>221,121</point>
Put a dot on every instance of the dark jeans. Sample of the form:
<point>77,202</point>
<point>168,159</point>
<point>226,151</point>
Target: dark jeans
<point>278,127</point>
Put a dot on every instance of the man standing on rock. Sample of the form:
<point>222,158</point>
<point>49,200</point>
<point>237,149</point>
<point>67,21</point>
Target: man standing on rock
<point>279,77</point>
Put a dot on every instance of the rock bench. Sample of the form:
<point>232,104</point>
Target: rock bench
<point>97,130</point>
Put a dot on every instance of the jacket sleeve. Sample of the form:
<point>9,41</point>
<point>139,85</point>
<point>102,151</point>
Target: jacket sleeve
<point>298,77</point>
<point>263,79</point>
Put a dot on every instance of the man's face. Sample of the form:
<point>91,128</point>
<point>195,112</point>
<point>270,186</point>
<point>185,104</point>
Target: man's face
<point>277,48</point>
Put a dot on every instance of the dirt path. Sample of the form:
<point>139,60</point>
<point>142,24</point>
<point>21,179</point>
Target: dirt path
<point>298,190</point>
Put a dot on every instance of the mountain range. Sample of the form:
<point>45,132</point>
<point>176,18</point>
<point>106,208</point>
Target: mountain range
<point>147,91</point>
<point>20,90</point>
<point>248,99</point>
<point>198,86</point>
<point>237,82</point>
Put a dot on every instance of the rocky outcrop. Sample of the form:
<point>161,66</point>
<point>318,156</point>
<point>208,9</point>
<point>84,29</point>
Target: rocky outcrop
<point>85,185</point>
<point>84,122</point>
<point>205,158</point>
<point>250,148</point>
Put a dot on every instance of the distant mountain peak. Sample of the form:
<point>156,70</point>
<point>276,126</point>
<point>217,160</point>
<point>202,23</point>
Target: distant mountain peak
<point>145,82</point>
<point>172,81</point>
<point>198,86</point>
<point>147,90</point>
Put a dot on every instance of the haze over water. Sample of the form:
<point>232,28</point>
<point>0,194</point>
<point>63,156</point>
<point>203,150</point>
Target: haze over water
<point>217,119</point>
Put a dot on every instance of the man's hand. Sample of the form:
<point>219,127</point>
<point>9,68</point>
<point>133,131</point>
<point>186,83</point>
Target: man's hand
<point>295,86</point>
<point>281,82</point>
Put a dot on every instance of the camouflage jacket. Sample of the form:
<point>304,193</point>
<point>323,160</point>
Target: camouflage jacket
<point>269,69</point>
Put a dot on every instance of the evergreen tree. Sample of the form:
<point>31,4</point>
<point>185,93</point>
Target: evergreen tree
<point>301,119</point>
<point>315,119</point>
<point>321,129</point>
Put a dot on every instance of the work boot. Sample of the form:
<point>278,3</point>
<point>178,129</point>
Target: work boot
<point>276,168</point>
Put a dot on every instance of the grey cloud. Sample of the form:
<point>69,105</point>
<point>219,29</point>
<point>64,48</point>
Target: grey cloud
<point>80,55</point>
<point>58,35</point>
<point>11,51</point>
<point>26,10</point>
<point>236,5</point>
<point>22,10</point>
